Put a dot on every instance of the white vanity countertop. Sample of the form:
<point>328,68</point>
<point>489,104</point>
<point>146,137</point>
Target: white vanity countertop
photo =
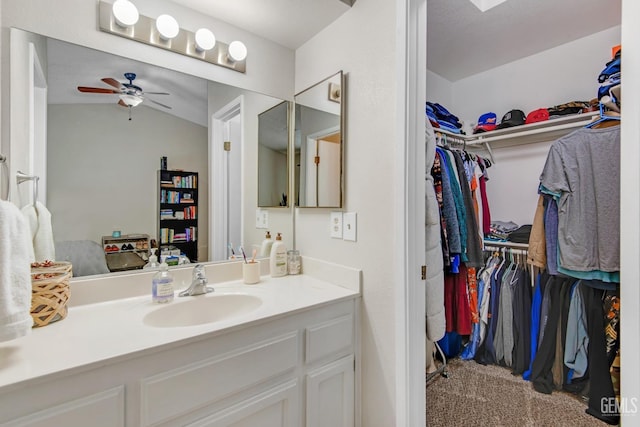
<point>105,331</point>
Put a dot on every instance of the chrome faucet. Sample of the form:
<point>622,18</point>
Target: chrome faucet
<point>198,283</point>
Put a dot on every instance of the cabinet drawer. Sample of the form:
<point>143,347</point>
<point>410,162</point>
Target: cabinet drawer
<point>181,390</point>
<point>328,338</point>
<point>104,409</point>
<point>277,407</point>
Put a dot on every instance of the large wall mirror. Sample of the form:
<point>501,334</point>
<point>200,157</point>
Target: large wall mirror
<point>318,142</point>
<point>273,156</point>
<point>102,160</point>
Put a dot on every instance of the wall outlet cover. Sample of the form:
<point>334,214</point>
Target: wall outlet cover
<point>349,226</point>
<point>335,224</point>
<point>262,218</point>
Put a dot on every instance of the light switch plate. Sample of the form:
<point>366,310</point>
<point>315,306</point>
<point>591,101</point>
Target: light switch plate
<point>349,226</point>
<point>335,224</point>
<point>262,218</point>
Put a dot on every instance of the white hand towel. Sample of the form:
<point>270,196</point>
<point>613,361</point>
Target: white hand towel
<point>15,273</point>
<point>39,219</point>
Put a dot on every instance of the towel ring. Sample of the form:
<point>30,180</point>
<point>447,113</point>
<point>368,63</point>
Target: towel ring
<point>22,177</point>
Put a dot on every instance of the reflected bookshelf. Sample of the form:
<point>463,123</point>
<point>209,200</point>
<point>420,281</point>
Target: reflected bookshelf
<point>178,211</point>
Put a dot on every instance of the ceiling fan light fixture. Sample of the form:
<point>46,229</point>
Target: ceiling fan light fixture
<point>125,13</point>
<point>237,51</point>
<point>167,26</point>
<point>485,5</point>
<point>205,39</point>
<point>130,100</point>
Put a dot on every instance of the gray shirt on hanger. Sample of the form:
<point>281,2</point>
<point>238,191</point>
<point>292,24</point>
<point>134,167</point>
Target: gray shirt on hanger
<point>583,171</point>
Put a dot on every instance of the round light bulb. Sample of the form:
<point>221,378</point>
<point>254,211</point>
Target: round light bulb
<point>237,51</point>
<point>167,26</point>
<point>205,40</point>
<point>125,13</point>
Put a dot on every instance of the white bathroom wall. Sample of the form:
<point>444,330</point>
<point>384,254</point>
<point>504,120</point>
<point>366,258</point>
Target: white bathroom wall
<point>102,169</point>
<point>566,73</point>
<point>362,42</point>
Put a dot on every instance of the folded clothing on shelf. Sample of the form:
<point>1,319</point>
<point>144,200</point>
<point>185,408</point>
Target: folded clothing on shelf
<point>521,234</point>
<point>444,119</point>
<point>500,230</point>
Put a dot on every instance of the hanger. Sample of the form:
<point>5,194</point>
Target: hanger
<point>605,118</point>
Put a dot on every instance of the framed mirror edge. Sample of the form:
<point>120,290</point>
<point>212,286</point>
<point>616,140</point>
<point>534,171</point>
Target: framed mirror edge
<point>342,121</point>
<point>288,161</point>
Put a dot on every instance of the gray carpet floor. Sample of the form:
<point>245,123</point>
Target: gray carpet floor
<point>477,395</point>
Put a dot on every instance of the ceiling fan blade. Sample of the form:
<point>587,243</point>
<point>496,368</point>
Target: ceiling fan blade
<point>156,102</point>
<point>157,93</point>
<point>121,103</point>
<point>112,82</point>
<point>96,90</point>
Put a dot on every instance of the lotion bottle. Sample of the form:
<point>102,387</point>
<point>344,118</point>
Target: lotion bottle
<point>278,258</point>
<point>265,249</point>
<point>162,285</point>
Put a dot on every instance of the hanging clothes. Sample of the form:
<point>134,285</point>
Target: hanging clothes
<point>434,284</point>
<point>582,173</point>
<point>522,306</point>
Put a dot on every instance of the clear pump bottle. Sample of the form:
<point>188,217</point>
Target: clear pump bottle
<point>162,285</point>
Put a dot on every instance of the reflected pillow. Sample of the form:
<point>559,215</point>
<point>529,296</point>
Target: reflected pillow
<point>86,256</point>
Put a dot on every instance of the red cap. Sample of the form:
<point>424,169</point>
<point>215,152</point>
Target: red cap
<point>539,115</point>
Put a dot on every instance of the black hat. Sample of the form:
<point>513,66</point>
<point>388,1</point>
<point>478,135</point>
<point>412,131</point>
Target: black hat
<point>512,118</point>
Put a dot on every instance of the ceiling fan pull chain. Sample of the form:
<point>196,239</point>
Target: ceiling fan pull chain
<point>129,112</point>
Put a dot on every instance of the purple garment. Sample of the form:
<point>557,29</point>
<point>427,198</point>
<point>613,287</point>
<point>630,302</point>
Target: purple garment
<point>551,234</point>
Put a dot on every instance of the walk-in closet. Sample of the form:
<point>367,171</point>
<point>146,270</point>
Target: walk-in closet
<point>523,115</point>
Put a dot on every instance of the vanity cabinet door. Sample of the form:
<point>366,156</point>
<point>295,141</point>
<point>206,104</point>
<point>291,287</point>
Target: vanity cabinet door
<point>330,394</point>
<point>276,407</point>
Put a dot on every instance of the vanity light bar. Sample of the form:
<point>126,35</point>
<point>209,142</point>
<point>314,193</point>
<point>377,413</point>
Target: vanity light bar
<point>184,43</point>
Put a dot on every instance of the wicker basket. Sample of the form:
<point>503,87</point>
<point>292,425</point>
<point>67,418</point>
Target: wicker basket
<point>50,292</point>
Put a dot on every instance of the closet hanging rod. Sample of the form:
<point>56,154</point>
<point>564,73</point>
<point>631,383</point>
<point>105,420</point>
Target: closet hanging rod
<point>503,249</point>
<point>22,177</point>
<point>501,244</point>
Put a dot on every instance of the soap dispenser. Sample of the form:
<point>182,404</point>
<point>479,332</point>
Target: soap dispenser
<point>162,285</point>
<point>265,249</point>
<point>153,261</point>
<point>278,258</point>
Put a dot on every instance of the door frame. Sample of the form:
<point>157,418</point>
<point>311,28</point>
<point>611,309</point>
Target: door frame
<point>411,70</point>
<point>219,177</point>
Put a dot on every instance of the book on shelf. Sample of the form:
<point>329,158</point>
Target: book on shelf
<point>184,181</point>
<point>179,237</point>
<point>169,235</point>
<point>189,212</point>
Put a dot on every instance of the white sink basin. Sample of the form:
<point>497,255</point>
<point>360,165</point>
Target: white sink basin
<point>191,311</point>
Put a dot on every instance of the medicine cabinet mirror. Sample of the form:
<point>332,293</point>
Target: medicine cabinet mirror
<point>319,144</point>
<point>273,156</point>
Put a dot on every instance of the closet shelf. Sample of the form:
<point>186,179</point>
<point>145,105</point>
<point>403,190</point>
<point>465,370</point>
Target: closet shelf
<point>548,130</point>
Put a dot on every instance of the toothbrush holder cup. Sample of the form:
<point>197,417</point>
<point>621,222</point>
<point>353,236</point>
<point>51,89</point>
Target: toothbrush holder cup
<point>251,272</point>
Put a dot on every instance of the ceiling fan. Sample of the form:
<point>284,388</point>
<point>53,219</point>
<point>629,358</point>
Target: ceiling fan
<point>129,94</point>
